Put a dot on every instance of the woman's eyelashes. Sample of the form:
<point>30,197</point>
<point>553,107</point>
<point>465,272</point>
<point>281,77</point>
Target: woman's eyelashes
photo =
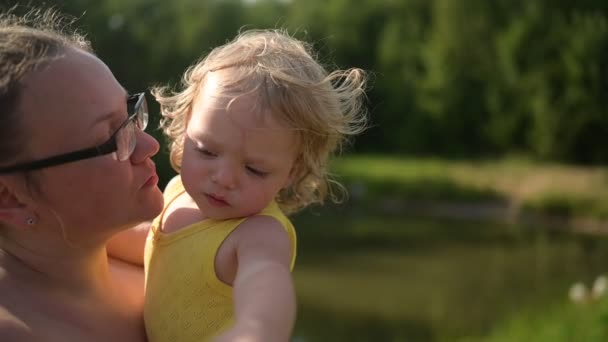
<point>114,124</point>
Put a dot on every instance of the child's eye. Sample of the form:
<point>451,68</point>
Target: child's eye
<point>256,172</point>
<point>206,152</point>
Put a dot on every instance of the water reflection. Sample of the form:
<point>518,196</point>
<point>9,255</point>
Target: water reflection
<point>366,277</point>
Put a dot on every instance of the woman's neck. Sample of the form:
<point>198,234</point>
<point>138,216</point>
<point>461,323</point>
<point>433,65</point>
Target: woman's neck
<point>75,271</point>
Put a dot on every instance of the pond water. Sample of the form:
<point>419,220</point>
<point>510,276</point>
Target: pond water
<point>371,277</point>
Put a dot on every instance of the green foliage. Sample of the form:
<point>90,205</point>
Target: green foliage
<point>560,322</point>
<point>534,188</point>
<point>558,204</point>
<point>457,78</point>
<point>566,205</point>
<point>378,178</point>
<point>556,86</point>
<point>458,58</point>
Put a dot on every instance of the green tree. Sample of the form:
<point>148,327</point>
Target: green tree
<point>548,96</point>
<point>458,58</point>
<point>460,78</point>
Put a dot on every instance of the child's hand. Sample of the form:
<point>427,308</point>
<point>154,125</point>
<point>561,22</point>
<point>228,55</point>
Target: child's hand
<point>246,332</point>
<point>238,336</point>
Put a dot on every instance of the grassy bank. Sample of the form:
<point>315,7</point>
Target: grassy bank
<point>564,321</point>
<point>522,186</point>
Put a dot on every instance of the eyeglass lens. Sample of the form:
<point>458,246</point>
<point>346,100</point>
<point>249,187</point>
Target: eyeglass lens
<point>126,139</point>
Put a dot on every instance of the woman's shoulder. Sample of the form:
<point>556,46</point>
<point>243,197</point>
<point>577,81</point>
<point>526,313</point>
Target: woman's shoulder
<point>16,333</point>
<point>12,327</point>
<point>22,315</point>
<point>26,316</point>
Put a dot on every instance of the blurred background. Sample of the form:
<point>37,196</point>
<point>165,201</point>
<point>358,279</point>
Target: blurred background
<point>479,195</point>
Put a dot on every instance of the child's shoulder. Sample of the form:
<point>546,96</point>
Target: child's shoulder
<point>262,229</point>
<point>173,189</point>
<point>264,237</point>
<point>270,224</point>
<point>174,184</point>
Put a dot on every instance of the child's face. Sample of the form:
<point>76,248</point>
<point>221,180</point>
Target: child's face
<point>235,160</point>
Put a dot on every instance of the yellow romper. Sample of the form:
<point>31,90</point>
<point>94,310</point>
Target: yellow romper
<point>185,301</point>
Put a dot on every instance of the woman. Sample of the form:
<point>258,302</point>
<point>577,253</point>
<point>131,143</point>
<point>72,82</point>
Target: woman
<point>75,170</point>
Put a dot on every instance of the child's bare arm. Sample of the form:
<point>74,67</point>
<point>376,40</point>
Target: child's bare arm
<point>264,296</point>
<point>129,245</point>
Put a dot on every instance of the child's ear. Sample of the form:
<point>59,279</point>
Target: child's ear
<point>290,179</point>
<point>13,210</point>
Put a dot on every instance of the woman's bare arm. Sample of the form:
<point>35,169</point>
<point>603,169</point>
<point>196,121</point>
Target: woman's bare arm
<point>129,245</point>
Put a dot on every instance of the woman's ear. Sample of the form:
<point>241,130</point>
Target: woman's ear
<point>13,210</point>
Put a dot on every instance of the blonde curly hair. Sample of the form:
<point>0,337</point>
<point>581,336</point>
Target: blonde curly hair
<point>322,108</point>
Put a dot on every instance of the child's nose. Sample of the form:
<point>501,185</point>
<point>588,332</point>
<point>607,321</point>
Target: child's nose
<point>225,177</point>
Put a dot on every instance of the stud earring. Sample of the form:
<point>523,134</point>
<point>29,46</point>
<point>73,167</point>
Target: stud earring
<point>31,221</point>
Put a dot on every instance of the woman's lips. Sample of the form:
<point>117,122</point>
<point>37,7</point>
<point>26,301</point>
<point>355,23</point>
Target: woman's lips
<point>152,181</point>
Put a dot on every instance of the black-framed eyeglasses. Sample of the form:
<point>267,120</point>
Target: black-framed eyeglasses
<point>122,142</point>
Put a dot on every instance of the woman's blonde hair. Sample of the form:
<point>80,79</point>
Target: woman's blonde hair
<point>322,108</point>
<point>28,43</point>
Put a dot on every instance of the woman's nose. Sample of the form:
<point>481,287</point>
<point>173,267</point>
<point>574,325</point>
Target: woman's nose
<point>146,147</point>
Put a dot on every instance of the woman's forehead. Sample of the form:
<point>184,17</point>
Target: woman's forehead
<point>75,88</point>
<point>62,103</point>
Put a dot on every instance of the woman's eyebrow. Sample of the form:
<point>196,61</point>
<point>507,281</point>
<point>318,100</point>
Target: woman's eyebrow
<point>104,117</point>
<point>112,114</point>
